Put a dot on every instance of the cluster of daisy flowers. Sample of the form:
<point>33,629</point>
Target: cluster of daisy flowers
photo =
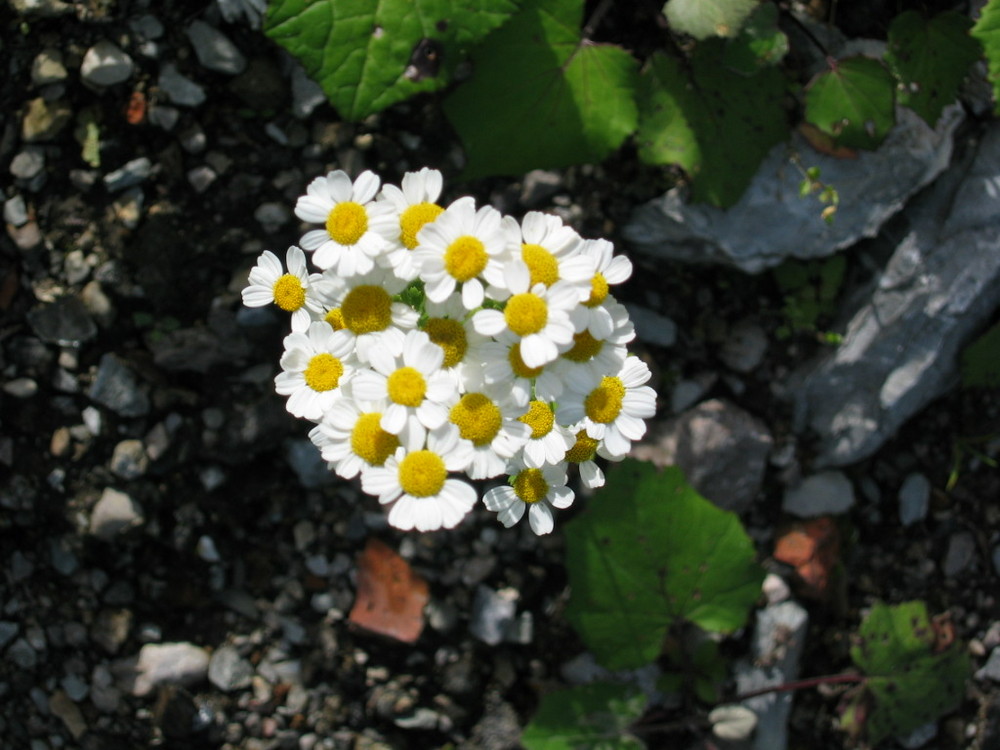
<point>438,344</point>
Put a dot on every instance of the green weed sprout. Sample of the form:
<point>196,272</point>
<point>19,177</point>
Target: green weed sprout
<point>436,341</point>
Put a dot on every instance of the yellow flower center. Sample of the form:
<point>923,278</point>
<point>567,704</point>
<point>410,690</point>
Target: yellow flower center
<point>465,258</point>
<point>477,417</point>
<point>517,364</point>
<point>407,387</point>
<point>604,403</point>
<point>288,293</point>
<point>367,309</point>
<point>530,485</point>
<point>335,318</point>
<point>370,441</point>
<point>450,336</point>
<point>584,449</point>
<point>598,290</point>
<point>412,220</point>
<point>347,223</point>
<point>541,263</point>
<point>585,347</point>
<point>526,313</point>
<point>539,418</point>
<point>323,372</point>
<point>422,473</point>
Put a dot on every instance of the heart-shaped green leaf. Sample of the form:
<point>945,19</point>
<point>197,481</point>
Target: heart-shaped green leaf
<point>368,54</point>
<point>915,672</point>
<point>586,716</point>
<point>853,102</point>
<point>714,123</point>
<point>541,97</point>
<point>987,31</point>
<point>704,18</point>
<point>760,42</point>
<point>648,551</point>
<point>931,57</point>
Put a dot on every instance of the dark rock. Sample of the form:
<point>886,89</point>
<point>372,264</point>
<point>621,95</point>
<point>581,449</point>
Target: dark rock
<point>64,322</point>
<point>117,388</point>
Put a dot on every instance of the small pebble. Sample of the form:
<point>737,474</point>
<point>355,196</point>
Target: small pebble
<point>826,493</point>
<point>214,49</point>
<point>105,64</point>
<point>914,499</point>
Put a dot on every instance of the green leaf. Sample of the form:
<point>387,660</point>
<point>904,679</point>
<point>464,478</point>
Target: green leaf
<point>587,716</point>
<point>931,57</point>
<point>760,43</point>
<point>647,552</point>
<point>704,18</point>
<point>714,123</point>
<point>981,361</point>
<point>914,673</point>
<point>853,102</point>
<point>987,31</point>
<point>542,97</point>
<point>368,54</point>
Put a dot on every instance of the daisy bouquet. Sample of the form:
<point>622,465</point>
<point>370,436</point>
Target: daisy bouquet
<point>432,345</point>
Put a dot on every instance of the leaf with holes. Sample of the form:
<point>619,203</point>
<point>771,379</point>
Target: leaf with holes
<point>853,101</point>
<point>586,716</point>
<point>368,54</point>
<point>542,97</point>
<point>987,31</point>
<point>649,551</point>
<point>714,123</point>
<point>704,18</point>
<point>931,57</point>
<point>915,671</point>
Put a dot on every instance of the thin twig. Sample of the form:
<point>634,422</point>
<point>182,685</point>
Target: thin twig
<point>830,679</point>
<point>595,18</point>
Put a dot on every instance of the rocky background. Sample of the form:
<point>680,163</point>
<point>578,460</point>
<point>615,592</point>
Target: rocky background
<point>178,569</point>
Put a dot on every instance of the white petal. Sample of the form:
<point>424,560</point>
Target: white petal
<point>472,294</point>
<point>540,518</point>
<point>489,322</point>
<point>562,497</point>
<point>591,475</point>
<point>512,514</point>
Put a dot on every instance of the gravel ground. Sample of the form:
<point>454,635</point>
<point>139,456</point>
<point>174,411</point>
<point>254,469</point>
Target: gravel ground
<point>178,569</point>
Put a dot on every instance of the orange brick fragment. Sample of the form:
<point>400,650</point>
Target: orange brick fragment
<point>391,596</point>
<point>813,548</point>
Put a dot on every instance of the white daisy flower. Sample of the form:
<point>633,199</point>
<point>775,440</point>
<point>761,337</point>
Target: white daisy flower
<point>462,246</point>
<point>350,437</point>
<point>414,205</point>
<point>491,429</point>
<point>417,484</point>
<point>315,367</point>
<point>417,392</point>
<point>356,228</point>
<point>612,411</point>
<point>537,490</point>
<point>593,314</point>
<point>504,371</point>
<point>550,249</point>
<point>450,327</point>
<point>364,312</point>
<point>294,292</point>
<point>598,357</point>
<point>549,440</point>
<point>582,453</point>
<point>538,315</point>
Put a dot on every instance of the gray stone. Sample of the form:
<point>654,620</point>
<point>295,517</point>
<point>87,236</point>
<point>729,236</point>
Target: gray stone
<point>960,554</point>
<point>44,120</point>
<point>306,93</point>
<point>105,64</point>
<point>900,348</point>
<point>651,327</point>
<point>21,387</point>
<point>114,513</point>
<point>22,654</point>
<point>914,499</point>
<point>132,173</point>
<point>308,464</point>
<point>27,163</point>
<point>179,89</point>
<point>539,185</point>
<point>919,736</point>
<point>162,664</point>
<point>826,493</point>
<point>7,632</point>
<point>272,216</point>
<point>991,669</point>
<point>778,642</point>
<point>771,222</point>
<point>721,449</point>
<point>147,26</point>
<point>64,322</point>
<point>42,8</point>
<point>492,614</point>
<point>201,177</point>
<point>744,348</point>
<point>15,211</point>
<point>214,49</point>
<point>129,459</point>
<point>65,709</point>
<point>164,117</point>
<point>249,10</point>
<point>47,68</point>
<point>229,671</point>
<point>115,387</point>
